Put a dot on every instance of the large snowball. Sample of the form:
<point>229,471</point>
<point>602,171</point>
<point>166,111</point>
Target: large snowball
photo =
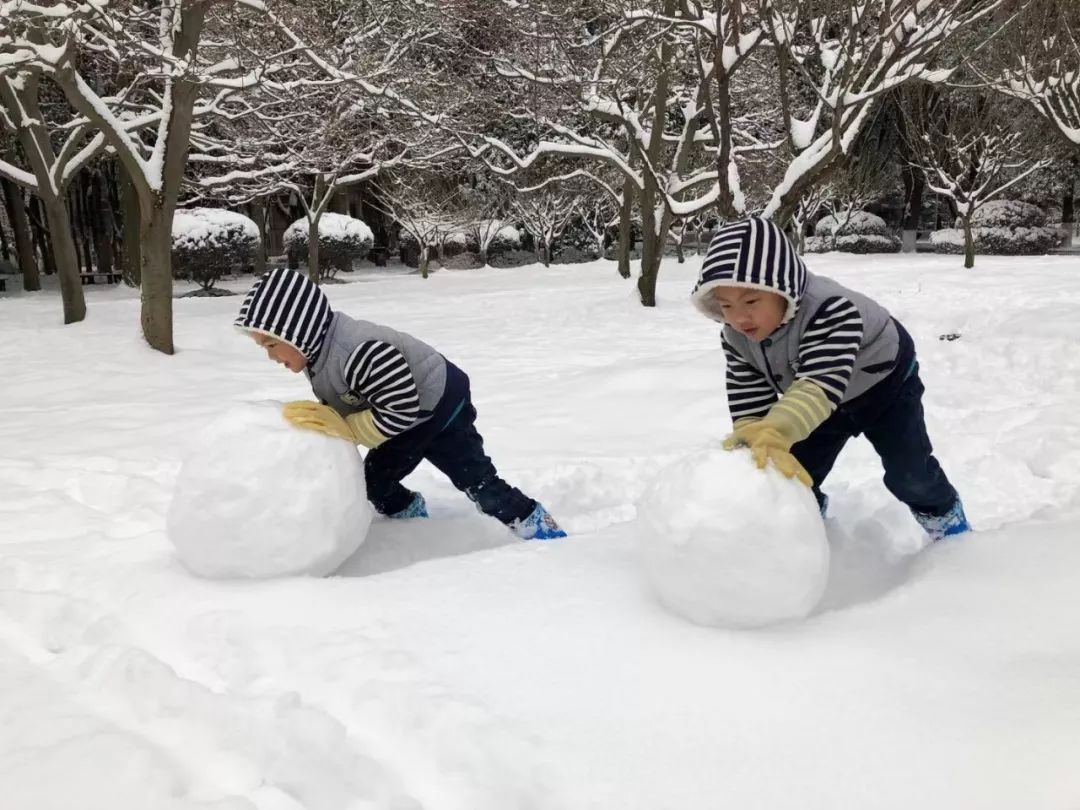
<point>725,544</point>
<point>257,497</point>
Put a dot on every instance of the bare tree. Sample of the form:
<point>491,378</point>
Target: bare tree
<point>684,99</point>
<point>545,214</point>
<point>599,213</point>
<point>965,144</point>
<point>191,60</point>
<point>422,204</point>
<point>1039,63</point>
<point>52,169</point>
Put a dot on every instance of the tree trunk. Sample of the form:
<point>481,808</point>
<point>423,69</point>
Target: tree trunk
<point>157,315</point>
<point>67,260</point>
<point>626,229</point>
<point>313,249</point>
<point>1068,201</point>
<point>425,259</point>
<point>5,249</point>
<point>314,214</point>
<point>914,188</point>
<point>258,213</point>
<point>101,219</point>
<point>654,230</point>
<point>24,245</point>
<point>131,226</point>
<point>969,243</point>
<point>81,223</point>
<point>40,231</point>
<point>652,251</point>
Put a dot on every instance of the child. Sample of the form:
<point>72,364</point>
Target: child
<point>811,364</point>
<point>389,392</point>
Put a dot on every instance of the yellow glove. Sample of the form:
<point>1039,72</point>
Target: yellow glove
<point>766,445</point>
<point>358,428</point>
<point>798,413</point>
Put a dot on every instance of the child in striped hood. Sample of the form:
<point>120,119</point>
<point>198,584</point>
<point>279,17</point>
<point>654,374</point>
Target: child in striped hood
<point>811,364</point>
<point>389,392</point>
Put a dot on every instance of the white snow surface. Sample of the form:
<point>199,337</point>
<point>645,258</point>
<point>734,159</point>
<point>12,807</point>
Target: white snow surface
<point>193,227</point>
<point>257,498</point>
<point>448,666</point>
<point>727,546</point>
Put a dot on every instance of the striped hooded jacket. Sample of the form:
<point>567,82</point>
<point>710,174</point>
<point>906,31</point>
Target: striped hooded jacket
<point>835,337</point>
<point>352,365</point>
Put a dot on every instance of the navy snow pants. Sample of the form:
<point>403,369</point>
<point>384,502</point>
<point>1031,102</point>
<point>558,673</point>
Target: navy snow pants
<point>450,441</point>
<point>890,415</point>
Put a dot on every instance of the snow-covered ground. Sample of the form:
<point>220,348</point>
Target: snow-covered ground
<point>541,675</point>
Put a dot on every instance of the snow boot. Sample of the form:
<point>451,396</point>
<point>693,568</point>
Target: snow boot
<point>951,523</point>
<point>417,508</point>
<point>539,525</point>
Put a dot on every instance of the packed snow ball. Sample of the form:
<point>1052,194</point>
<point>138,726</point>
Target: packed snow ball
<point>727,545</point>
<point>258,498</point>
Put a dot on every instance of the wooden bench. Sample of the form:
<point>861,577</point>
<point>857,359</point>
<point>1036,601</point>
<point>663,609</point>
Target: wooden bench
<point>100,278</point>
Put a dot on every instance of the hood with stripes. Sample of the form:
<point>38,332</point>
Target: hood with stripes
<point>290,307</point>
<point>752,253</point>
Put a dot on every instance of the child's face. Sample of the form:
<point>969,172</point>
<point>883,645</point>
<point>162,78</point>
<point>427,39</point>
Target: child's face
<point>754,313</point>
<point>281,352</point>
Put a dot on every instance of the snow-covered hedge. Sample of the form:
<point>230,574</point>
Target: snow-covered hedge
<point>859,232</point>
<point>998,241</point>
<point>572,254</point>
<point>208,243</point>
<point>1001,228</point>
<point>1008,214</point>
<point>506,238</point>
<point>859,222</point>
<point>513,258</point>
<point>853,243</point>
<point>342,241</point>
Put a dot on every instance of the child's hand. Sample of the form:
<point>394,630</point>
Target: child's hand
<point>767,444</point>
<point>318,417</point>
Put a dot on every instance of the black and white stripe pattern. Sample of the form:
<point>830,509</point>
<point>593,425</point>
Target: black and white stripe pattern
<point>290,307</point>
<point>748,392</point>
<point>755,253</point>
<point>379,373</point>
<point>828,347</point>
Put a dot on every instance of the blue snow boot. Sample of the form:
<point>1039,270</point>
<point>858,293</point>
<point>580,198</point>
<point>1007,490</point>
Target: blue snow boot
<point>539,525</point>
<point>417,508</point>
<point>951,523</point>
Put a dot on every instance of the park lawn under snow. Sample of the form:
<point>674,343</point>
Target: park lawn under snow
<point>541,675</point>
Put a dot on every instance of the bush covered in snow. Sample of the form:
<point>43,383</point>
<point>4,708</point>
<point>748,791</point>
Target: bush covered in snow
<point>506,238</point>
<point>861,232</point>
<point>857,223</point>
<point>208,243</point>
<point>342,241</point>
<point>853,243</point>
<point>997,241</point>
<point>572,254</point>
<point>513,258</point>
<point>1001,228</point>
<point>1008,214</point>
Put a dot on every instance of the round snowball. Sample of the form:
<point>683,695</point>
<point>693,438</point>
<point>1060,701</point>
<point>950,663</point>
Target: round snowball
<point>727,545</point>
<point>259,498</point>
